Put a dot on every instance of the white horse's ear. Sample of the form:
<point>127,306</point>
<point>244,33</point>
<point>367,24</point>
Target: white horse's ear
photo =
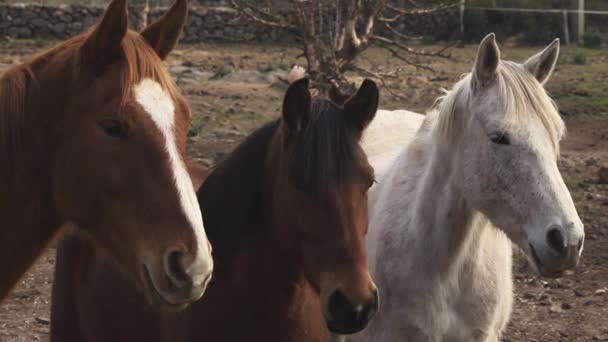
<point>486,63</point>
<point>542,64</point>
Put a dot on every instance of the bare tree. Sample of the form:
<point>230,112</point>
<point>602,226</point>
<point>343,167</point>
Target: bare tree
<point>334,32</point>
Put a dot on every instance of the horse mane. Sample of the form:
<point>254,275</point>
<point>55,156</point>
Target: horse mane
<point>525,100</point>
<point>138,61</point>
<point>231,198</point>
<point>324,154</point>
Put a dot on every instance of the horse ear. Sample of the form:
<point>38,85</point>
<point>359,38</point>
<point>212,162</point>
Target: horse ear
<point>486,63</point>
<point>297,104</point>
<point>361,107</point>
<point>542,64</point>
<point>163,34</point>
<point>198,173</point>
<point>103,45</point>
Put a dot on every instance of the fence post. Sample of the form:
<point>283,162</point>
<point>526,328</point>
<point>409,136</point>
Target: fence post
<point>462,5</point>
<point>566,28</point>
<point>581,20</point>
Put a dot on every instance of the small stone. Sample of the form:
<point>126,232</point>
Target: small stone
<point>603,175</point>
<point>579,293</point>
<point>43,320</point>
<point>528,295</point>
<point>555,307</point>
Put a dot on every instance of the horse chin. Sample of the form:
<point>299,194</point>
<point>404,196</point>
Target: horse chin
<point>335,328</point>
<point>155,298</point>
<point>538,266</point>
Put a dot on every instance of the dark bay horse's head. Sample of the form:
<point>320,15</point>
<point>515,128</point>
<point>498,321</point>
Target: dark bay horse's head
<point>119,170</point>
<point>321,177</point>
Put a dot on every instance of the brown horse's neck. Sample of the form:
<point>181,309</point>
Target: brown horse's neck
<point>29,223</point>
<point>264,294</point>
<point>264,291</point>
<point>27,209</point>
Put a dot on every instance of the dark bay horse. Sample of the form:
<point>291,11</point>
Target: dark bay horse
<point>92,134</point>
<point>286,214</point>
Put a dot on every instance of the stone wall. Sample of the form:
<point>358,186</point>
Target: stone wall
<point>204,23</point>
<point>63,21</point>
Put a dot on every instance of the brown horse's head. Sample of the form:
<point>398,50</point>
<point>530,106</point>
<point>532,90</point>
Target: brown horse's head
<point>119,171</point>
<point>320,191</point>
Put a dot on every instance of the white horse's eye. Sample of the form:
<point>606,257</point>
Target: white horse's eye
<point>501,138</point>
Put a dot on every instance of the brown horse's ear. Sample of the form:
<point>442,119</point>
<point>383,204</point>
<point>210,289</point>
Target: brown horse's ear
<point>163,34</point>
<point>198,173</point>
<point>486,63</point>
<point>361,107</point>
<point>542,64</point>
<point>297,105</point>
<point>103,46</point>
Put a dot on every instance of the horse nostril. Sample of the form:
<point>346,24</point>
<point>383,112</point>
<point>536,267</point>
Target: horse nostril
<point>339,306</point>
<point>557,242</point>
<point>174,266</point>
<point>347,317</point>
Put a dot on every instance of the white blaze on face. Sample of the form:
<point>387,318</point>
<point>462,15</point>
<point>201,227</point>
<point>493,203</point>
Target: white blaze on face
<point>159,105</point>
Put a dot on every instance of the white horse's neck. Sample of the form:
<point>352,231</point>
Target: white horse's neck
<point>443,232</point>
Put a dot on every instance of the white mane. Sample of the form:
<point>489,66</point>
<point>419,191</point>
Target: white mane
<point>525,100</point>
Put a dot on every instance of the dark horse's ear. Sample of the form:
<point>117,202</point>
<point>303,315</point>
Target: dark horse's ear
<point>163,34</point>
<point>297,104</point>
<point>361,107</point>
<point>103,45</point>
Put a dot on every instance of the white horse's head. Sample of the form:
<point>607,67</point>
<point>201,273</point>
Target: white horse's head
<point>503,133</point>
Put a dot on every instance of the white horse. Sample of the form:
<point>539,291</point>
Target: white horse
<point>474,175</point>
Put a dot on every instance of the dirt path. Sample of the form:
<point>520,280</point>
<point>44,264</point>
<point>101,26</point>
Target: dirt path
<point>247,92</point>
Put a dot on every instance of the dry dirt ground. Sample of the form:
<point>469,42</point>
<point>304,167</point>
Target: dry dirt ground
<point>233,88</point>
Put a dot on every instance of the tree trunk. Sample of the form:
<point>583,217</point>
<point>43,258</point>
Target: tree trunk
<point>140,16</point>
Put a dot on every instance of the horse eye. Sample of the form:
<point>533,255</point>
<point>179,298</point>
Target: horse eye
<point>113,128</point>
<point>501,138</point>
<point>372,182</point>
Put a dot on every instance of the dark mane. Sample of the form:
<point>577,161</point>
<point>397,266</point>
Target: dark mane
<point>231,197</point>
<point>325,153</point>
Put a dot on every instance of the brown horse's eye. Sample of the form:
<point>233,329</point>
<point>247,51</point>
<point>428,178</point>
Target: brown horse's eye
<point>372,182</point>
<point>113,129</point>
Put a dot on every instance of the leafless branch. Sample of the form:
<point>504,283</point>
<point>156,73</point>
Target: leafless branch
<point>381,78</point>
<point>386,42</point>
<point>399,34</point>
<point>400,12</point>
<point>254,14</point>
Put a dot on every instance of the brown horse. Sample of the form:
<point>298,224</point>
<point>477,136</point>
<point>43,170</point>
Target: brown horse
<point>286,213</point>
<point>92,134</point>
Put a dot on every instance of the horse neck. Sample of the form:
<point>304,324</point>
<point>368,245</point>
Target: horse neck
<point>442,229</point>
<point>27,206</point>
<point>279,276</point>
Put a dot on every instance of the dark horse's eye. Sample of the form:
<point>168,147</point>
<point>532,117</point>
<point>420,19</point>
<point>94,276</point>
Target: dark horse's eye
<point>113,128</point>
<point>501,138</point>
<point>372,182</point>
